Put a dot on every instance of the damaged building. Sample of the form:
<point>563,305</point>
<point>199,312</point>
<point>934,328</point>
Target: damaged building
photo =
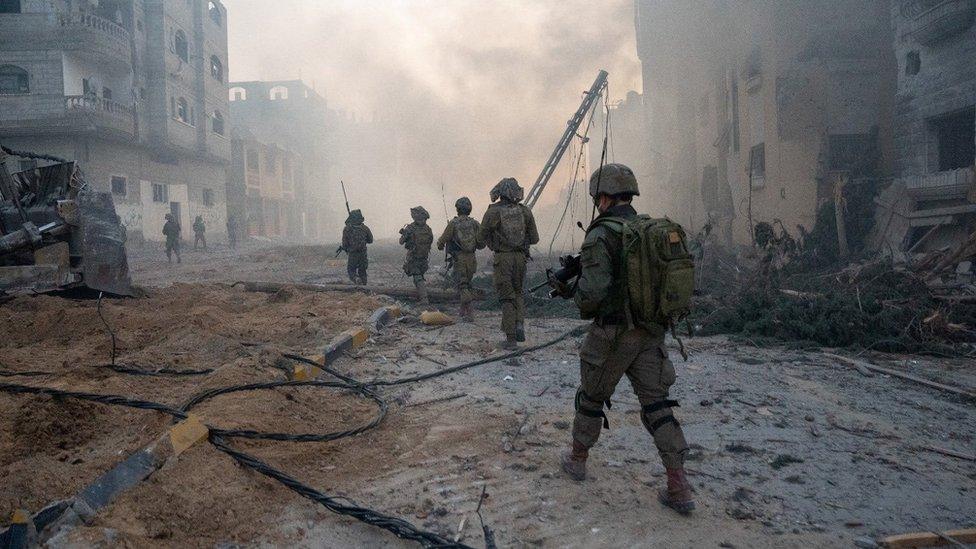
<point>290,117</point>
<point>763,110</point>
<point>266,188</point>
<point>134,91</point>
<point>932,201</point>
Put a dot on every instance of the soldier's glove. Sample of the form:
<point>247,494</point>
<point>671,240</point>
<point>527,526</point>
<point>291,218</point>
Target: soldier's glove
<point>560,288</point>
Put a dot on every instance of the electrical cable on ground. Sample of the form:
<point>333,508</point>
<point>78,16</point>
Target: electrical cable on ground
<point>342,506</point>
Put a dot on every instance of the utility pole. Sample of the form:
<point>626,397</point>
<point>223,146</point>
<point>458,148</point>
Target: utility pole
<point>589,100</point>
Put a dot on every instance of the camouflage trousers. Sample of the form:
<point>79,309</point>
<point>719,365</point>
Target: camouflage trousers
<point>356,267</point>
<point>509,278</point>
<point>608,353</point>
<point>465,267</point>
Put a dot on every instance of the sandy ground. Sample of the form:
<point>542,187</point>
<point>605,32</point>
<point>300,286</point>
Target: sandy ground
<point>789,449</point>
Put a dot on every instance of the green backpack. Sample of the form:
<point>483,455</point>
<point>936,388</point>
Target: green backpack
<point>660,273</point>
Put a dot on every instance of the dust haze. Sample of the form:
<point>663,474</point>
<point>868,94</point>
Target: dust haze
<point>471,91</point>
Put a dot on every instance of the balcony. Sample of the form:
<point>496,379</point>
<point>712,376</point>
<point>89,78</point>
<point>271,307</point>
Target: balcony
<point>58,115</point>
<point>932,21</point>
<point>946,185</point>
<point>94,36</point>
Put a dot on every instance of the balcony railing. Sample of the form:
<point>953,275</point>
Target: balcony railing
<point>97,104</point>
<point>931,21</point>
<point>100,24</point>
<point>951,184</point>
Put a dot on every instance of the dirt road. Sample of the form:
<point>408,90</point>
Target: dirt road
<point>789,448</point>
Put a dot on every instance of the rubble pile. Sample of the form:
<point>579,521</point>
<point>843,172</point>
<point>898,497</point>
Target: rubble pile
<point>921,306</point>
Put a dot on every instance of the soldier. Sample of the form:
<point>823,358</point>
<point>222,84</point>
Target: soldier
<point>172,231</point>
<point>199,230</point>
<point>461,239</point>
<point>508,229</point>
<point>355,236</point>
<point>232,231</point>
<point>417,238</point>
<point>614,346</point>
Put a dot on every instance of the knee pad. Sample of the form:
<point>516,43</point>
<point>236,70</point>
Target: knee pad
<point>649,411</point>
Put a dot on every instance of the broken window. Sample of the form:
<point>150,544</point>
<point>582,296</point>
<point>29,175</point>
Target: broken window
<point>216,68</point>
<point>757,165</point>
<point>270,161</point>
<point>238,94</point>
<point>182,111</point>
<point>278,93</point>
<point>13,80</point>
<point>107,93</point>
<point>159,193</point>
<point>913,63</point>
<point>180,46</point>
<point>252,160</point>
<point>955,136</point>
<point>218,123</point>
<point>208,198</point>
<point>118,185</point>
<point>9,6</point>
<point>214,10</point>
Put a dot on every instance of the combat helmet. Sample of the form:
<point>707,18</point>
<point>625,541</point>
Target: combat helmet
<point>463,205</point>
<point>419,214</point>
<point>355,217</point>
<point>613,179</point>
<point>509,188</point>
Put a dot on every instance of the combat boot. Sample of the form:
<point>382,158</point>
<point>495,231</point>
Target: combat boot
<point>509,344</point>
<point>520,332</point>
<point>574,461</point>
<point>677,495</point>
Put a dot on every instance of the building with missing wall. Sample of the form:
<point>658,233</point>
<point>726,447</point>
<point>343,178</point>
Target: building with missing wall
<point>756,110</point>
<point>134,91</point>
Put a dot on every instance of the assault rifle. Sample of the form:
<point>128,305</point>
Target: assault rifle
<point>571,266</point>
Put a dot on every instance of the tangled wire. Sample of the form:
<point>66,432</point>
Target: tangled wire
<point>219,437</point>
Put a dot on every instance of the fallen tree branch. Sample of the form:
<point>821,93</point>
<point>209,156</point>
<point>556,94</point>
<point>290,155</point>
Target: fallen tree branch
<point>909,377</point>
<point>950,453</point>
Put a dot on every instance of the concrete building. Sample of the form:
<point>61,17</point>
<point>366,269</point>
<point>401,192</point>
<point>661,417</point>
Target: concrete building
<point>935,122</point>
<point>133,90</point>
<point>755,110</point>
<point>266,188</point>
<point>293,117</point>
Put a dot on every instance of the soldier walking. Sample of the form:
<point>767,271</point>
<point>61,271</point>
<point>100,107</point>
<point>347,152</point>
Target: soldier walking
<point>172,231</point>
<point>355,236</point>
<point>417,238</point>
<point>199,230</point>
<point>461,239</point>
<point>232,231</point>
<point>616,344</point>
<point>508,229</point>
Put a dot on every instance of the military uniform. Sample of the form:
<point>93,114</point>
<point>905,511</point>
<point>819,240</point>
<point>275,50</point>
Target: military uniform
<point>614,347</point>
<point>172,231</point>
<point>417,238</point>
<point>199,233</point>
<point>508,229</point>
<point>355,236</point>
<point>461,238</point>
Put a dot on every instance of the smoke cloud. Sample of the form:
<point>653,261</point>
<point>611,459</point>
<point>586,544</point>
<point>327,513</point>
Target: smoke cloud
<point>473,90</point>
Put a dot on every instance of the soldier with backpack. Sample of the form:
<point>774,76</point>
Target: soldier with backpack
<point>636,280</point>
<point>508,229</point>
<point>460,237</point>
<point>355,236</point>
<point>417,238</point>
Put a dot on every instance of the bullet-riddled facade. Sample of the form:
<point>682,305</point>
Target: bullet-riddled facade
<point>753,108</point>
<point>134,91</point>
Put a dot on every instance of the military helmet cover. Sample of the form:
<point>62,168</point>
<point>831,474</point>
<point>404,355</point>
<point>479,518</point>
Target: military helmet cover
<point>355,216</point>
<point>463,205</point>
<point>418,213</point>
<point>168,217</point>
<point>613,179</point>
<point>509,188</point>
